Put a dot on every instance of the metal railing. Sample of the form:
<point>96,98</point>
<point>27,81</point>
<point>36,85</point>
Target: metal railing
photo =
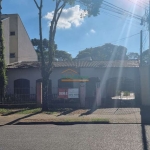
<point>19,96</point>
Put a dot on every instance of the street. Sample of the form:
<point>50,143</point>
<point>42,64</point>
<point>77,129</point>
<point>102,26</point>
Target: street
<point>75,137</point>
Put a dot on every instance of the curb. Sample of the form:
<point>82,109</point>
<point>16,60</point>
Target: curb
<point>59,123</point>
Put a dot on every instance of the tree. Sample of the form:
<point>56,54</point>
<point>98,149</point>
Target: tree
<point>63,54</point>
<point>36,44</point>
<point>145,57</point>
<point>133,56</point>
<point>91,6</point>
<point>104,53</point>
<point>58,53</point>
<point>3,78</point>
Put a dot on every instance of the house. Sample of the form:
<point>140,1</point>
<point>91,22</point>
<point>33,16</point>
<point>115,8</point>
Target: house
<point>18,46</point>
<point>110,76</point>
<point>99,79</point>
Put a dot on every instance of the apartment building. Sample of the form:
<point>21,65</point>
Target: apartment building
<point>18,46</point>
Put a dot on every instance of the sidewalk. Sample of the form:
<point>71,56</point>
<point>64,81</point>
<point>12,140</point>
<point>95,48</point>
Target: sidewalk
<point>109,115</point>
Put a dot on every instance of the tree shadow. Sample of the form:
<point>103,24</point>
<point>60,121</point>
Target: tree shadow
<point>18,119</point>
<point>13,112</point>
<point>67,112</point>
<point>145,120</point>
<point>90,111</point>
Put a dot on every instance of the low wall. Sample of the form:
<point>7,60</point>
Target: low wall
<point>145,85</point>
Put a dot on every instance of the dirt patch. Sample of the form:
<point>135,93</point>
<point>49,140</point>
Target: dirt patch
<point>78,111</point>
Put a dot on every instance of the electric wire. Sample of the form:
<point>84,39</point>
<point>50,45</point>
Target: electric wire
<point>111,7</point>
<point>137,4</point>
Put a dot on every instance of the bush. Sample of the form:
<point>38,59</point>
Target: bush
<point>126,93</point>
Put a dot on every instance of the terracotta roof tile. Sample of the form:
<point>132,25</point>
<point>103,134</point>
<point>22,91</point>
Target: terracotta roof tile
<point>78,64</point>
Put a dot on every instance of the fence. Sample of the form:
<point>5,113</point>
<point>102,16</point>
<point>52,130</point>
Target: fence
<point>23,96</point>
<point>18,96</point>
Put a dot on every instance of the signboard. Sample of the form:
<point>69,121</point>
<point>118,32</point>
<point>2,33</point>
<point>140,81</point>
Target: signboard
<point>73,93</point>
<point>63,93</point>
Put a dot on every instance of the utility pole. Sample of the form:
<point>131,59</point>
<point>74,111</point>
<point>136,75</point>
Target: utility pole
<point>1,34</point>
<point>149,33</point>
<point>141,47</point>
<point>0,9</point>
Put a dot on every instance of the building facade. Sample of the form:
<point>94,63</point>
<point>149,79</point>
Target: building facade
<point>111,76</point>
<point>18,46</point>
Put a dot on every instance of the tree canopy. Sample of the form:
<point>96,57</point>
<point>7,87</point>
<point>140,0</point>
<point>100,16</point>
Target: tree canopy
<point>58,53</point>
<point>145,57</point>
<point>133,56</point>
<point>104,53</point>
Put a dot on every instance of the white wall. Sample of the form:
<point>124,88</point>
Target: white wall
<point>30,74</point>
<point>106,73</point>
<point>34,74</point>
<point>26,50</point>
<point>13,39</point>
<point>19,43</point>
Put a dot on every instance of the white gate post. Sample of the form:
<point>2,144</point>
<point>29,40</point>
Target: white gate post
<point>98,94</point>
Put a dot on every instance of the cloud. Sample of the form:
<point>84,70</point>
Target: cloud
<point>69,17</point>
<point>87,34</point>
<point>92,31</point>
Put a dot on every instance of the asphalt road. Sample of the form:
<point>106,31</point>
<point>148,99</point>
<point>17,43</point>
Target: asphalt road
<point>75,137</point>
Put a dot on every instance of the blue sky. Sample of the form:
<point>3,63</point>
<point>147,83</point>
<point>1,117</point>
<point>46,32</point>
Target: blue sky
<point>75,34</point>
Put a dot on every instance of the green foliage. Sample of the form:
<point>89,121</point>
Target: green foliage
<point>63,54</point>
<point>3,78</point>
<point>104,53</point>
<point>118,93</point>
<point>36,44</point>
<point>58,53</point>
<point>145,57</point>
<point>90,6</point>
<point>133,56</point>
<point>126,93</point>
<point>5,111</point>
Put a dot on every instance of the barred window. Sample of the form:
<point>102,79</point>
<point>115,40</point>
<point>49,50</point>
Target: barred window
<point>12,55</point>
<point>12,33</point>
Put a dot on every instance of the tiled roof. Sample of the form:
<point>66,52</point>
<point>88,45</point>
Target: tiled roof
<point>78,64</point>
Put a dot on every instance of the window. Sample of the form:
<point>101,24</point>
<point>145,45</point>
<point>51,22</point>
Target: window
<point>12,33</point>
<point>12,55</point>
<point>22,87</point>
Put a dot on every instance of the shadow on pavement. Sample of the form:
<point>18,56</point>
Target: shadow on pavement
<point>13,112</point>
<point>145,120</point>
<point>88,112</point>
<point>60,123</point>
<point>67,112</point>
<point>16,120</point>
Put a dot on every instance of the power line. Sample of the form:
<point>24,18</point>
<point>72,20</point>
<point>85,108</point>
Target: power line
<point>111,7</point>
<point>119,17</point>
<point>143,3</point>
<point>126,37</point>
<point>137,4</point>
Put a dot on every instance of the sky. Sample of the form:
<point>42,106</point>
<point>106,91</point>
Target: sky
<point>75,33</point>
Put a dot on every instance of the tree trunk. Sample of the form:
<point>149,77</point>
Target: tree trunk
<point>3,78</point>
<point>45,84</point>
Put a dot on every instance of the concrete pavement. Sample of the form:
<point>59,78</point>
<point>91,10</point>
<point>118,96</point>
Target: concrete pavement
<point>75,137</point>
<point>113,115</point>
